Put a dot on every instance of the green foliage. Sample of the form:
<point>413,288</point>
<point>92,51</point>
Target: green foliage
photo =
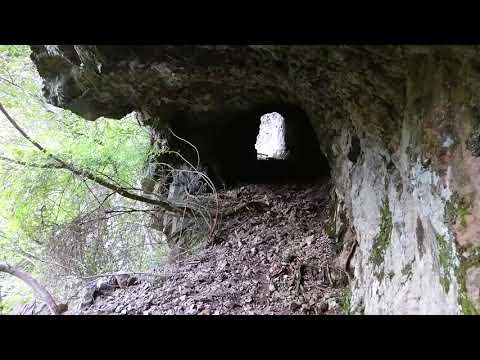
<point>33,197</point>
<point>473,141</point>
<point>36,202</point>
<point>445,258</point>
<point>456,210</point>
<point>462,215</point>
<point>13,292</point>
<point>383,239</point>
<point>345,301</point>
<point>468,307</point>
<point>3,306</point>
<point>330,229</point>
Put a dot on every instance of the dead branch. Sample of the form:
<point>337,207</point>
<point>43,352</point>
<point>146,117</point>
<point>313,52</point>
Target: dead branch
<point>34,257</point>
<point>189,143</point>
<point>89,175</point>
<point>34,284</point>
<point>126,211</point>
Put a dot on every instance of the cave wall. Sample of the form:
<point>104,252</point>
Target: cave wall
<point>398,124</point>
<point>405,194</point>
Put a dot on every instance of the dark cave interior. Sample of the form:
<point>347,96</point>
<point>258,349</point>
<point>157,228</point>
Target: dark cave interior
<point>226,144</point>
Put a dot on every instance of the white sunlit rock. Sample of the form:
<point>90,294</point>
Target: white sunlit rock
<point>271,137</point>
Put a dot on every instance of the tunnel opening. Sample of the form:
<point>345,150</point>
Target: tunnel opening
<point>287,149</point>
<point>268,144</point>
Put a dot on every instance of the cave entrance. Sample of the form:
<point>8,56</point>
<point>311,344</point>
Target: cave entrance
<point>286,147</point>
<point>271,138</point>
<point>266,144</point>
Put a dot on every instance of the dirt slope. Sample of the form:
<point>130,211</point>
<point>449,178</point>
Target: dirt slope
<point>272,257</point>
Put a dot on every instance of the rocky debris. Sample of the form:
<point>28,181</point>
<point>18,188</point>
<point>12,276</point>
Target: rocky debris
<point>103,286</point>
<point>267,260</point>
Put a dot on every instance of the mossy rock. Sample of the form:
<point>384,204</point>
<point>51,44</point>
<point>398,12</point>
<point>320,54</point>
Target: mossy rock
<point>383,239</point>
<point>446,261</point>
<point>468,307</point>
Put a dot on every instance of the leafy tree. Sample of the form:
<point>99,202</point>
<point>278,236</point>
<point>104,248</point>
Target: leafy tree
<point>38,199</point>
<point>69,188</point>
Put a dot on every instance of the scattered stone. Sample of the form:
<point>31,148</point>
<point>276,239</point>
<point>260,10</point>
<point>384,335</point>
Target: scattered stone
<point>323,307</point>
<point>294,306</point>
<point>109,309</point>
<point>289,257</point>
<point>309,240</point>
<point>231,280</point>
<point>87,296</point>
<point>332,303</point>
<point>191,311</point>
<point>123,280</point>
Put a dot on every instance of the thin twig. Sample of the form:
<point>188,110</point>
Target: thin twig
<point>85,173</point>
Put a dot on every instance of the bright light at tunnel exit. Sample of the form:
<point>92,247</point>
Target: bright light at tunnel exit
<point>271,137</point>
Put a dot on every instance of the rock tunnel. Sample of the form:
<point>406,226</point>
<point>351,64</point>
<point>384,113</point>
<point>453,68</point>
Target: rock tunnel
<point>394,126</point>
<point>226,144</point>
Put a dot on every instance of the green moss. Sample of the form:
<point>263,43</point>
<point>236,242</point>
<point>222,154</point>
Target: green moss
<point>462,214</point>
<point>451,205</point>
<point>468,308</point>
<point>330,225</point>
<point>431,142</point>
<point>456,210</point>
<point>346,301</point>
<point>383,239</point>
<point>359,309</point>
<point>330,229</point>
<point>445,258</point>
<point>473,141</point>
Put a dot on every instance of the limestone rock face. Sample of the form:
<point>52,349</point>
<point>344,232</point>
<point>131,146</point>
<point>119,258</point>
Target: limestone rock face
<point>399,125</point>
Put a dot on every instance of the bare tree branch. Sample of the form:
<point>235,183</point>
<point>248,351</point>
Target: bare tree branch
<point>87,174</point>
<point>34,284</point>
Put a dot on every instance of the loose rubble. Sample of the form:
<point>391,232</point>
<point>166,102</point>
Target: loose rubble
<point>269,257</point>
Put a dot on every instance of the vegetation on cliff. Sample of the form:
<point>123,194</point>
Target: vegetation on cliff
<point>39,201</point>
